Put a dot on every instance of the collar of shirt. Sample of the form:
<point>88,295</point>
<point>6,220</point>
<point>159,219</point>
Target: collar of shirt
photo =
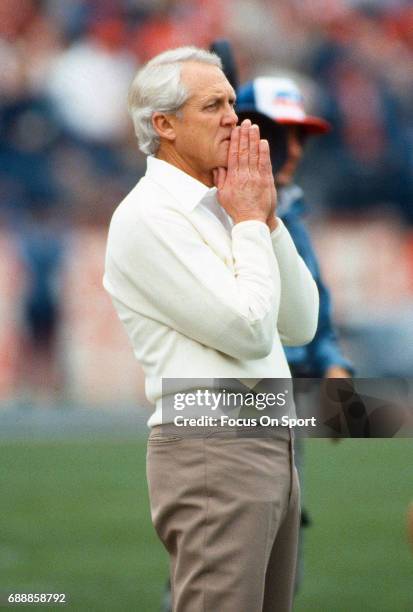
<point>184,188</point>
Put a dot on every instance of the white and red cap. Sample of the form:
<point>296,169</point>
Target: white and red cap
<point>279,99</point>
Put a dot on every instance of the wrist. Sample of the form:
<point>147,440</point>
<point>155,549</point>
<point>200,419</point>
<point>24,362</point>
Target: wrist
<point>272,223</point>
<point>249,217</point>
<point>336,371</point>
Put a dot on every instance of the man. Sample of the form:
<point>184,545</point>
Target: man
<point>208,283</point>
<point>276,104</point>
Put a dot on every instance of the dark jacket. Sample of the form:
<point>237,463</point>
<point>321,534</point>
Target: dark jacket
<point>323,351</point>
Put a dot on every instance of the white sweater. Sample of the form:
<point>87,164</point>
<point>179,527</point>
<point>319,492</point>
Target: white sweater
<point>197,300</point>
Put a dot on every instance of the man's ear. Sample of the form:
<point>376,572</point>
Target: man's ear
<point>164,125</point>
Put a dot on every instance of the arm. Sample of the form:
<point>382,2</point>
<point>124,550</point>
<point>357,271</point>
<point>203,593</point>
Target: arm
<point>298,311</point>
<point>324,351</point>
<point>162,269</point>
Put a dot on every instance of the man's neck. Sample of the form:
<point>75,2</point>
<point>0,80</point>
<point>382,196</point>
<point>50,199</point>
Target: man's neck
<point>173,158</point>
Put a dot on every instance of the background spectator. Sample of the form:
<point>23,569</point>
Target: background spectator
<point>63,125</point>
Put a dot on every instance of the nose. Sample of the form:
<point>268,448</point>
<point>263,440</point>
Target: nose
<point>295,146</point>
<point>230,117</point>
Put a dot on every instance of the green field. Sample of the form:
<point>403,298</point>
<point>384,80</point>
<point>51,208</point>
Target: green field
<point>74,520</point>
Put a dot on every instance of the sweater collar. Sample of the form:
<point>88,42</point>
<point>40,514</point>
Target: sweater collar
<point>182,187</point>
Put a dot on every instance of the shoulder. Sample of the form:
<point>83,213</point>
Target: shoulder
<point>147,215</point>
<point>147,203</point>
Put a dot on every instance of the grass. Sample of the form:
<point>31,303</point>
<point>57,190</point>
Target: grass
<point>357,554</point>
<point>75,520</point>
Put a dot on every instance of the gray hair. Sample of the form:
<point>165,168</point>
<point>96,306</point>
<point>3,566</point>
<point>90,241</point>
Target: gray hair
<point>157,87</point>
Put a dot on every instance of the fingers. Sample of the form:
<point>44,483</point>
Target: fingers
<point>243,150</point>
<point>233,150</point>
<point>247,153</point>
<point>264,162</point>
<point>254,142</point>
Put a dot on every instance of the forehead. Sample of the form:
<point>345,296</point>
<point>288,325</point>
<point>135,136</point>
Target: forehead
<point>203,80</point>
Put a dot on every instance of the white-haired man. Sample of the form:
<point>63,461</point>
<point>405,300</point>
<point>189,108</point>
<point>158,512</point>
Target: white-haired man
<point>209,284</point>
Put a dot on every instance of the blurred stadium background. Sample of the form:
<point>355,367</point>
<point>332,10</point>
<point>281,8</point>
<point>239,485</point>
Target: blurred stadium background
<point>72,407</point>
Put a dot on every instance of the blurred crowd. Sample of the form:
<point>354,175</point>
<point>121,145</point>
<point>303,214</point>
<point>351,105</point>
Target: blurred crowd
<point>68,154</point>
<point>66,143</point>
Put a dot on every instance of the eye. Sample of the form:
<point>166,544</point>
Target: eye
<point>211,105</point>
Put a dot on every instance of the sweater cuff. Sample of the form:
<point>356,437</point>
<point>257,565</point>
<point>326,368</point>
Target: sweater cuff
<point>260,225</point>
<point>280,229</point>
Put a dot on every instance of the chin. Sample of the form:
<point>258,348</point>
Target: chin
<point>282,181</point>
<point>221,161</point>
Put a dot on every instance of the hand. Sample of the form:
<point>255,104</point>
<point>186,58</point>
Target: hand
<point>246,187</point>
<point>336,372</point>
<point>272,221</point>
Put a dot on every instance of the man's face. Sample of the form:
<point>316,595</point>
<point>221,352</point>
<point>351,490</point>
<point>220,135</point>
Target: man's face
<point>295,138</point>
<point>205,122</point>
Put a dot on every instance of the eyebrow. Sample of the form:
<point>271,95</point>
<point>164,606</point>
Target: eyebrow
<point>219,96</point>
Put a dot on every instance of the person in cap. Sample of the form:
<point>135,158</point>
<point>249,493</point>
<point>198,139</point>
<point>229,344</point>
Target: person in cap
<point>209,284</point>
<point>276,104</point>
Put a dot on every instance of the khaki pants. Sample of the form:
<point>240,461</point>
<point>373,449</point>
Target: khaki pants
<point>226,507</point>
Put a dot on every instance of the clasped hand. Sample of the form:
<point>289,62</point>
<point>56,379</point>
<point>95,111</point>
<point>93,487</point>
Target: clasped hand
<point>246,187</point>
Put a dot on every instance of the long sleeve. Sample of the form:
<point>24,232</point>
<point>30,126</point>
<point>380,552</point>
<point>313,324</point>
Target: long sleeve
<point>324,350</point>
<point>162,269</point>
<point>299,302</point>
